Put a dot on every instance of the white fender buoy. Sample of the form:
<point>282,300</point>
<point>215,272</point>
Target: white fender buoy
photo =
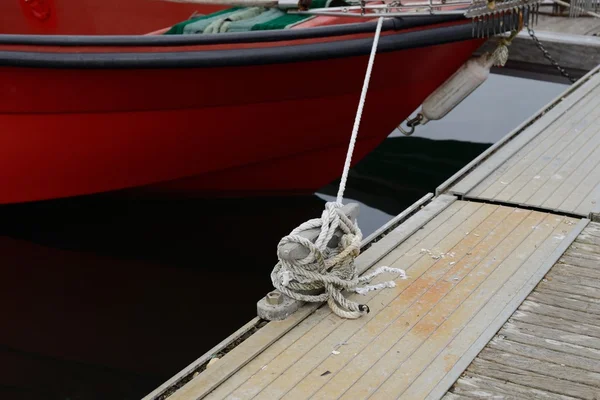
<point>456,88</point>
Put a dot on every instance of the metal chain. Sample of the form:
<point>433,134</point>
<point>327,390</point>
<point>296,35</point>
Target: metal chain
<point>549,57</point>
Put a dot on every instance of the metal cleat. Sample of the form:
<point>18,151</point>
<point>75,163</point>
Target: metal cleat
<point>276,306</point>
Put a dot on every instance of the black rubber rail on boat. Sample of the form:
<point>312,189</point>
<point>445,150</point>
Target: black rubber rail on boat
<point>395,24</point>
<point>238,57</point>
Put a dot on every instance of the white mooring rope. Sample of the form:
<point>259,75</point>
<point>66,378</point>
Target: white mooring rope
<point>327,271</point>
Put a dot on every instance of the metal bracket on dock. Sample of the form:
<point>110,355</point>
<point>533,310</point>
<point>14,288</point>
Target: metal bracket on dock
<point>276,306</point>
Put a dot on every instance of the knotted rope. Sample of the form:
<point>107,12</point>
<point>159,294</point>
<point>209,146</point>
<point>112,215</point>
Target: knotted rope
<point>325,272</point>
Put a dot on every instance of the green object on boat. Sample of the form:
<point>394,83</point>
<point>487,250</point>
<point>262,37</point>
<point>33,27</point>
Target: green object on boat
<point>244,19</point>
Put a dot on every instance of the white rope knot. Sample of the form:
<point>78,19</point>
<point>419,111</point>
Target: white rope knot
<point>325,272</point>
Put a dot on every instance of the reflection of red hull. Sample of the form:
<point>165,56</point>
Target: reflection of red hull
<point>265,127</point>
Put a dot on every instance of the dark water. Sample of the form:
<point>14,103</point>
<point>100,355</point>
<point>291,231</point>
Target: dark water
<point>106,298</point>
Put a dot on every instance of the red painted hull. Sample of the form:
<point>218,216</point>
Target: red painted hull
<point>92,17</point>
<point>256,129</point>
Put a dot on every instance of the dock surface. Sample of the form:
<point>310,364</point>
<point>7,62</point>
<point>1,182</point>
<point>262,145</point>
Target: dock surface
<point>550,347</point>
<point>501,299</point>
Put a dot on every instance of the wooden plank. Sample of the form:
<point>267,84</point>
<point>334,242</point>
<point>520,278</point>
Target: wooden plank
<point>579,297</point>
<point>562,174</point>
<point>578,280</point>
<point>580,328</point>
<point>373,340</point>
<point>569,130</point>
<point>570,288</point>
<point>588,239</point>
<point>523,333</point>
<point>533,380</point>
<point>211,378</point>
<point>580,199</point>
<point>558,335</point>
<point>454,359</point>
<point>452,396</point>
<point>572,270</point>
<point>574,145</point>
<point>434,232</point>
<point>479,386</point>
<point>484,165</point>
<point>586,247</point>
<point>394,372</point>
<point>516,162</point>
<point>548,356</point>
<point>292,365</point>
<point>554,305</point>
<point>584,257</point>
<point>559,312</point>
<point>589,202</point>
<point>593,229</point>
<point>559,186</point>
<point>525,363</point>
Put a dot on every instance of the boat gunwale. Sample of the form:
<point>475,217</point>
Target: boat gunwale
<point>393,23</point>
<point>238,57</point>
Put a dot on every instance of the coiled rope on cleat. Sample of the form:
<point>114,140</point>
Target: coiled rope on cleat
<point>325,272</point>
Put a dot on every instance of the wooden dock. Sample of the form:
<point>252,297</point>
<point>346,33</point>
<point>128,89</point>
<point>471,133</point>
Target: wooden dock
<point>502,298</point>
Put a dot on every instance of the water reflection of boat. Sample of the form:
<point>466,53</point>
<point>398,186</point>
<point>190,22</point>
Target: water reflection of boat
<point>253,112</point>
<point>114,297</point>
<point>402,169</point>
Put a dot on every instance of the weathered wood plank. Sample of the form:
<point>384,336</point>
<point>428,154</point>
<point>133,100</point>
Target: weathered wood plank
<point>479,386</point>
<point>532,379</point>
<point>542,354</point>
<point>592,230</point>
<point>586,238</point>
<point>556,323</point>
<point>452,396</point>
<point>553,305</point>
<point>583,259</point>
<point>525,363</point>
<point>571,288</point>
<point>573,270</point>
<point>513,333</point>
<point>574,279</point>
<point>560,312</point>
<point>582,298</point>
<point>558,334</point>
<point>586,248</point>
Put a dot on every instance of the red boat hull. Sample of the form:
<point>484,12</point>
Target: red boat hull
<point>268,129</point>
<point>210,118</point>
<point>92,17</point>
